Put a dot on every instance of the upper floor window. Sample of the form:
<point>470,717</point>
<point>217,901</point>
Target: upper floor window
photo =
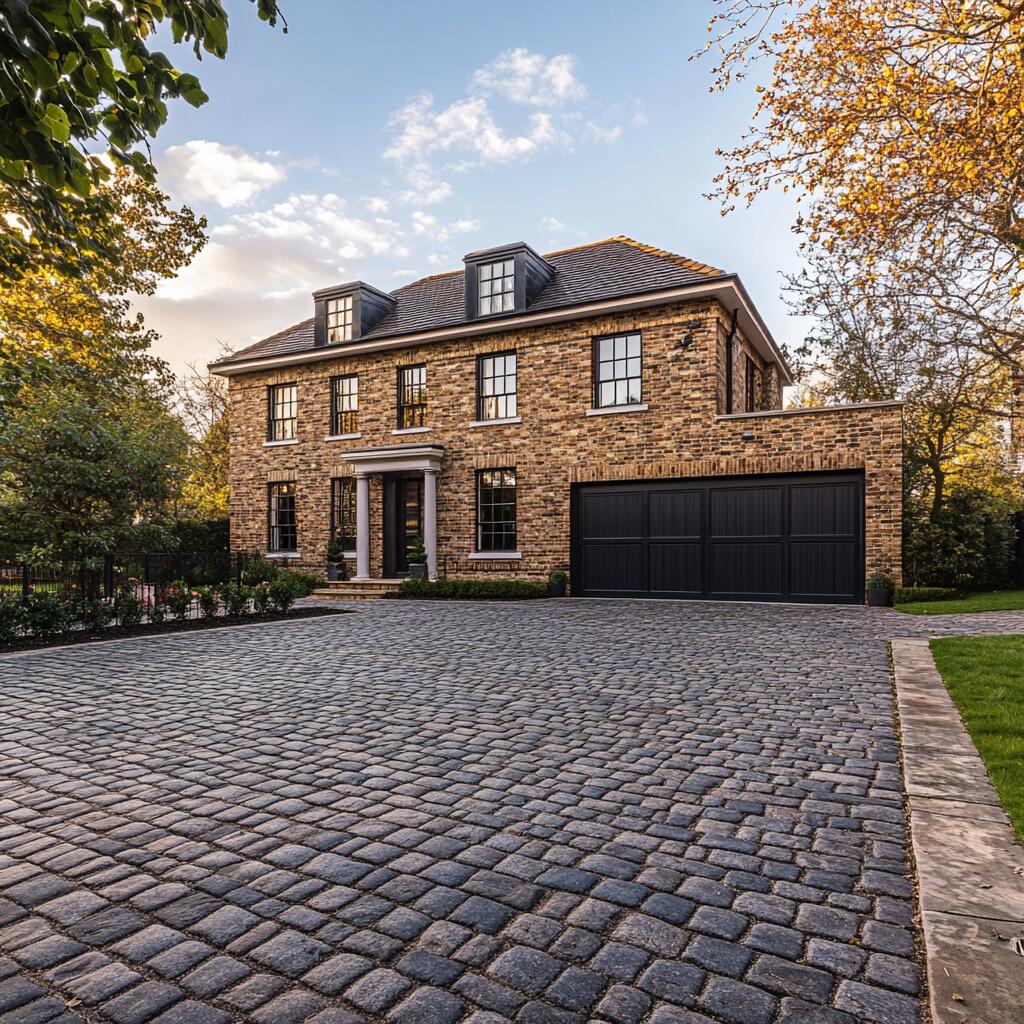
<point>281,517</point>
<point>496,510</point>
<point>412,397</point>
<point>282,408</point>
<point>345,404</point>
<point>750,384</point>
<point>343,510</point>
<point>617,370</point>
<point>496,386</point>
<point>339,319</point>
<point>497,287</point>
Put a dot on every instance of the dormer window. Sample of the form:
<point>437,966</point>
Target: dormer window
<point>497,287</point>
<point>339,319</point>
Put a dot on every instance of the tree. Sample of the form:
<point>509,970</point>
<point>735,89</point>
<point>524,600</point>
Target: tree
<point>902,123</point>
<point>90,451</point>
<point>202,404</point>
<point>80,89</point>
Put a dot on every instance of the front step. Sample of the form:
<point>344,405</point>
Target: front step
<point>356,590</point>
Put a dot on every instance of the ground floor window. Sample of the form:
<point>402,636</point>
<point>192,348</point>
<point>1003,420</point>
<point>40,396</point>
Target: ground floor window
<point>281,517</point>
<point>496,510</point>
<point>343,511</point>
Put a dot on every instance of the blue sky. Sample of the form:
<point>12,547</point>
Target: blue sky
<point>384,140</point>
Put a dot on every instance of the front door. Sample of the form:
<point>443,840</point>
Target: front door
<point>403,522</point>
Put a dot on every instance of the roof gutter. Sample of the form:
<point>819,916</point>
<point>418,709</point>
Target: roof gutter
<point>727,289</point>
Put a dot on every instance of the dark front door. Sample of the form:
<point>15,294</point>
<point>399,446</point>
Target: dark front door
<point>783,538</point>
<point>403,522</point>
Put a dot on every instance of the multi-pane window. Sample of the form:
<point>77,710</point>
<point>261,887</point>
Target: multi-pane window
<point>345,404</point>
<point>339,319</point>
<point>496,510</point>
<point>617,370</point>
<point>750,385</point>
<point>497,287</point>
<point>343,511</point>
<point>281,399</point>
<point>412,397</point>
<point>496,390</point>
<point>281,517</point>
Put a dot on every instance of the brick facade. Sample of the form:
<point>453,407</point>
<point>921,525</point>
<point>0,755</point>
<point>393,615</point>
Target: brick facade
<point>683,433</point>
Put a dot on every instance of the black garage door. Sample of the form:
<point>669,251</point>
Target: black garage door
<point>784,538</point>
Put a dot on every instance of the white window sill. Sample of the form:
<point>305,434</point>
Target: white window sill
<point>609,410</point>
<point>278,444</point>
<point>348,554</point>
<point>281,554</point>
<point>497,422</point>
<point>411,430</point>
<point>495,556</point>
<point>343,437</point>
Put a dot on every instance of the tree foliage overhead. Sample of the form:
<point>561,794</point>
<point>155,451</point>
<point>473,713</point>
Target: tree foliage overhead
<point>80,90</point>
<point>902,121</point>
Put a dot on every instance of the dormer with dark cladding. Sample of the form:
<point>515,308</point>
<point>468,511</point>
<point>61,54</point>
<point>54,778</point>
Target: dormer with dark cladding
<point>369,307</point>
<point>532,274</point>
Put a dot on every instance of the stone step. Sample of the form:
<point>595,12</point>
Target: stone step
<point>356,590</point>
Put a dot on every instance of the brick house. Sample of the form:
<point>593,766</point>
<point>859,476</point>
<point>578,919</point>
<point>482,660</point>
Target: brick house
<point>613,410</point>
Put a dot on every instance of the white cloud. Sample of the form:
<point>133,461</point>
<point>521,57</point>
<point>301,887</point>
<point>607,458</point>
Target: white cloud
<point>377,204</point>
<point>426,189</point>
<point>429,226</point>
<point>553,224</point>
<point>601,134</point>
<point>531,78</point>
<point>203,171</point>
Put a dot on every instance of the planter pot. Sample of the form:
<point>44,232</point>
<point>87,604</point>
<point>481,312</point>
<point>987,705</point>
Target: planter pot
<point>333,571</point>
<point>879,597</point>
<point>418,570</point>
<point>556,589</point>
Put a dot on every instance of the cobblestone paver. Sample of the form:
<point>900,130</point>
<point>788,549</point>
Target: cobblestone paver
<point>427,814</point>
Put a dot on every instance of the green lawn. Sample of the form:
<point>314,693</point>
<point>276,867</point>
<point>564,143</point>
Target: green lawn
<point>985,601</point>
<point>985,677</point>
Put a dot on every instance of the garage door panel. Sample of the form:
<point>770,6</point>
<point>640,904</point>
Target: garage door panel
<point>779,538</point>
<point>675,568</point>
<point>822,510</point>
<point>750,569</point>
<point>746,512</point>
<point>676,514</point>
<point>823,569</point>
<point>614,514</point>
<point>614,567</point>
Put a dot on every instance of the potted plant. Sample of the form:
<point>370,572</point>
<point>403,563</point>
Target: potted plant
<point>880,587</point>
<point>335,558</point>
<point>418,560</point>
<point>556,583</point>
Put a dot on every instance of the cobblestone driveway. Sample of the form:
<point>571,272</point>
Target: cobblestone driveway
<point>618,811</point>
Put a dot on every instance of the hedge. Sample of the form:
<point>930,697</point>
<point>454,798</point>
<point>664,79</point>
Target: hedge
<point>456,589</point>
<point>906,595</point>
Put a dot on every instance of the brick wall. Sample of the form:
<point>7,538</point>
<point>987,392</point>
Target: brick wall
<point>681,434</point>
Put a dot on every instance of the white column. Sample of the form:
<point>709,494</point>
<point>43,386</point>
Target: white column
<point>430,520</point>
<point>362,527</point>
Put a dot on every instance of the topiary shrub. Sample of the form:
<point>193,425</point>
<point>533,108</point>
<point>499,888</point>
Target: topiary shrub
<point>235,598</point>
<point>261,598</point>
<point>459,589</point>
<point>905,595</point>
<point>302,583</point>
<point>282,593</point>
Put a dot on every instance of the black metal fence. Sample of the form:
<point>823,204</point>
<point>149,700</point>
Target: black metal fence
<point>105,577</point>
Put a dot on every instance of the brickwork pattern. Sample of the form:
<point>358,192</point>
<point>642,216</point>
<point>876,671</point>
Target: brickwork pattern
<point>674,813</point>
<point>557,443</point>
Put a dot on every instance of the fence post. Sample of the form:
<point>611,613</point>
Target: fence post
<point>239,561</point>
<point>108,576</point>
<point>26,582</point>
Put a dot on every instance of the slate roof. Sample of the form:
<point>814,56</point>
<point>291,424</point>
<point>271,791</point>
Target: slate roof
<point>609,269</point>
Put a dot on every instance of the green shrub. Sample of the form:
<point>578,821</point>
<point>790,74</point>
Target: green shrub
<point>282,593</point>
<point>95,614</point>
<point>178,598</point>
<point>905,595</point>
<point>302,583</point>
<point>156,608</point>
<point>10,620</point>
<point>235,598</point>
<point>258,569</point>
<point>45,616</point>
<point>880,580</point>
<point>558,576</point>
<point>208,602</point>
<point>261,598</point>
<point>458,589</point>
<point>128,608</point>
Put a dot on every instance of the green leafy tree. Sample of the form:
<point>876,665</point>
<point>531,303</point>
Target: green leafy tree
<point>202,403</point>
<point>80,90</point>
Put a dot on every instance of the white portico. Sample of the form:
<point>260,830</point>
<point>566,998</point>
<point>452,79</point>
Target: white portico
<point>410,509</point>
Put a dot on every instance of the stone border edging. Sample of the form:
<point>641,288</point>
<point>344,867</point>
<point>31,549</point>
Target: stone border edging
<point>970,869</point>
